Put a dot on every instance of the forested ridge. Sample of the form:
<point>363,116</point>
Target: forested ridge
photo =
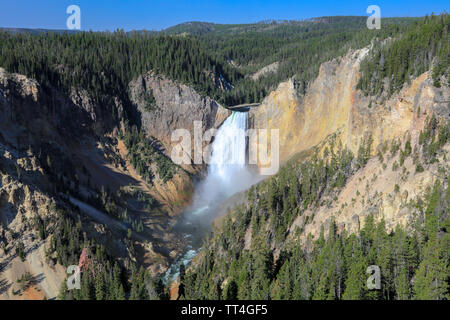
<point>299,46</point>
<point>391,64</point>
<point>104,63</point>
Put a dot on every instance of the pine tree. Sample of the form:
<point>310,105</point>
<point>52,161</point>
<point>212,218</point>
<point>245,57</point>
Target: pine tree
<point>402,286</point>
<point>100,287</point>
<point>120,293</point>
<point>355,285</point>
<point>262,270</point>
<point>63,290</point>
<point>231,291</point>
<point>86,287</point>
<point>431,282</point>
<point>282,286</point>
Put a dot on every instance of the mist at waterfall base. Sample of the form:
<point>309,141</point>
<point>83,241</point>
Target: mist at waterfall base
<point>227,174</point>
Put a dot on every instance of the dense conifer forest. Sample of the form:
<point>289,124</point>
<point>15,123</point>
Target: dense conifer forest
<point>104,63</point>
<point>391,64</point>
<point>299,46</point>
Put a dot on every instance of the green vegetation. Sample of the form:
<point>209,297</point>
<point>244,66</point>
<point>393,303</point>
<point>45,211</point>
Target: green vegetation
<point>20,251</point>
<point>395,62</point>
<point>432,138</point>
<point>39,225</point>
<point>104,63</point>
<point>25,280</point>
<point>364,151</point>
<point>106,278</point>
<point>299,46</point>
<point>106,201</point>
<point>142,154</point>
<point>136,225</point>
<point>150,102</point>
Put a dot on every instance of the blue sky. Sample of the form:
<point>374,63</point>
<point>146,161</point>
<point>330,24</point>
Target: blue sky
<point>158,14</point>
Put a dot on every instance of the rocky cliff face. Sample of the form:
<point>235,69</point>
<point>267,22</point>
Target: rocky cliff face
<point>20,205</point>
<point>51,113</point>
<point>333,106</point>
<point>34,125</point>
<point>379,189</point>
<point>175,106</point>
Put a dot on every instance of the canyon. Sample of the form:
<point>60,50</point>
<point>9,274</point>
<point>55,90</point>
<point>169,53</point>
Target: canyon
<point>107,167</point>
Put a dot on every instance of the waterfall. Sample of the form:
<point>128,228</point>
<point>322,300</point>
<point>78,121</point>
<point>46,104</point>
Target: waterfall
<point>227,170</point>
<point>228,149</point>
<point>227,174</point>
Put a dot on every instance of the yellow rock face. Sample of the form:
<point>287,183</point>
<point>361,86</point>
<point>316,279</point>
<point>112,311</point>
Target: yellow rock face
<point>332,104</point>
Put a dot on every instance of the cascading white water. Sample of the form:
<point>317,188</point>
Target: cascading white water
<point>228,150</point>
<point>227,170</point>
<point>227,174</point>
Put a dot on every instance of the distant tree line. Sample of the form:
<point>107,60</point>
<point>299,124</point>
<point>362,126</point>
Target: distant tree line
<point>299,47</point>
<point>104,63</point>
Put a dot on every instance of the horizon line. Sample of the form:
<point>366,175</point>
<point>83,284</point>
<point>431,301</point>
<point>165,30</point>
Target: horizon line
<point>215,23</point>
